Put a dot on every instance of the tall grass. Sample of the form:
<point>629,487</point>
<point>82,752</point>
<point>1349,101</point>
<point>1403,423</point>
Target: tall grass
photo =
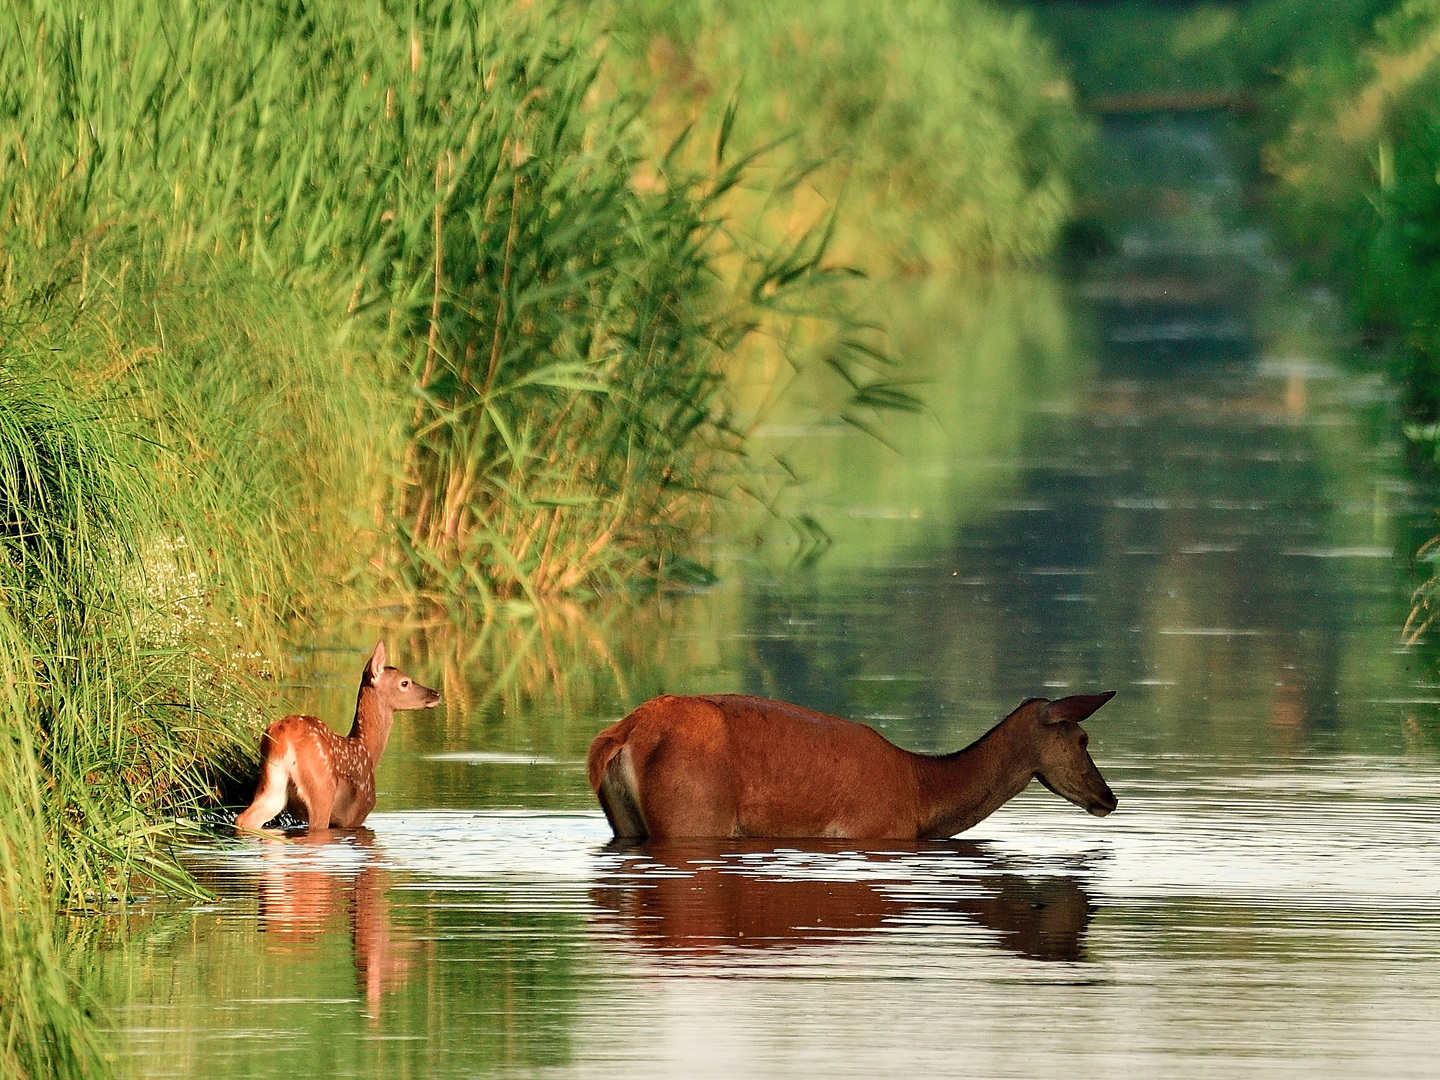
<point>450,184</point>
<point>569,367</point>
<point>100,730</point>
<point>43,1031</point>
<point>111,718</point>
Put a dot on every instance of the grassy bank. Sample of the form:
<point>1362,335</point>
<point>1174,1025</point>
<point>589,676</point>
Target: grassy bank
<point>105,731</point>
<point>548,250</point>
<point>439,195</point>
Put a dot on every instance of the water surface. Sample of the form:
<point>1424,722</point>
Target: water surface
<point>1164,475</point>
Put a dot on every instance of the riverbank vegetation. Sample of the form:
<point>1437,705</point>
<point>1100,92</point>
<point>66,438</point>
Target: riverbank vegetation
<point>1354,150</point>
<point>1336,102</point>
<point>307,308</point>
<point>1135,55</point>
<point>1355,167</point>
<point>944,132</point>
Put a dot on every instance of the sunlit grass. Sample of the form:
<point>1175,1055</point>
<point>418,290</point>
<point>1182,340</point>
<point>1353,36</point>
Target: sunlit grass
<point>101,731</point>
<point>548,312</point>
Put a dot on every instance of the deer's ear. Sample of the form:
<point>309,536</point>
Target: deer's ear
<point>377,660</point>
<point>1075,708</point>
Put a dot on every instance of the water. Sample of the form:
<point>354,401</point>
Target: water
<point>1162,477</point>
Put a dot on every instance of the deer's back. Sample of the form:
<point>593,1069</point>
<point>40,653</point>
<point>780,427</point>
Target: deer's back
<point>309,736</point>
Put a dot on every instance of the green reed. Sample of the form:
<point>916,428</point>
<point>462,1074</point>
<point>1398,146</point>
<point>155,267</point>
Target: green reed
<point>176,468</point>
<point>43,1032</point>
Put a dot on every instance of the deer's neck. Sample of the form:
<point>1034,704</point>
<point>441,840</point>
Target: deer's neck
<point>372,722</point>
<point>960,789</point>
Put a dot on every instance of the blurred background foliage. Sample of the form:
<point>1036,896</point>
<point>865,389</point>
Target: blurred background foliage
<point>940,134</point>
<point>1340,105</point>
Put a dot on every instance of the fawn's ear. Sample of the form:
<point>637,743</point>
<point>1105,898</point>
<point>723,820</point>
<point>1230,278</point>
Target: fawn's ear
<point>1075,708</point>
<point>377,660</point>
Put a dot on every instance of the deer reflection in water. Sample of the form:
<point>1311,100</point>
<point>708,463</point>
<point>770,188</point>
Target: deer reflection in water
<point>696,897</point>
<point>303,897</point>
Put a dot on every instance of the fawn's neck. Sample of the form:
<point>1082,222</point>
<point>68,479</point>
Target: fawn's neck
<point>960,789</point>
<point>372,722</point>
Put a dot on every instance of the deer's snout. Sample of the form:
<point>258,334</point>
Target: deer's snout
<point>1104,803</point>
<point>432,698</point>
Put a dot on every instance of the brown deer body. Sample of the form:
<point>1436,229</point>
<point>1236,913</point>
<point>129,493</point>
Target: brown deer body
<point>732,765</point>
<point>326,778</point>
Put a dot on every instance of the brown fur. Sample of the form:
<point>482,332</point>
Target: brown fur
<point>733,765</point>
<point>325,778</point>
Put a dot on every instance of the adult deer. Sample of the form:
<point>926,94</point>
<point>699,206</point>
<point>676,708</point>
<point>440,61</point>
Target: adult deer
<point>317,774</point>
<point>732,765</point>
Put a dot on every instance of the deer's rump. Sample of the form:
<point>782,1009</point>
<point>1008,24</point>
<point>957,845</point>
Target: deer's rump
<point>732,765</point>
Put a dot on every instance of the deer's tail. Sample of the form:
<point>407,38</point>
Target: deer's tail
<point>603,749</point>
<point>614,784</point>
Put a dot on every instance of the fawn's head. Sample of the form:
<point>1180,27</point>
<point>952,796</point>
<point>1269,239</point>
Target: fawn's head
<point>1065,766</point>
<point>398,692</point>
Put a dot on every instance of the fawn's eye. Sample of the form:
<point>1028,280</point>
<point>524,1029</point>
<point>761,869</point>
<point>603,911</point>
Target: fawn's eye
<point>404,684</point>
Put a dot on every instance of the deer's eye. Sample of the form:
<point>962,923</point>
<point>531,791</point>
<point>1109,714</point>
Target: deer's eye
<point>404,684</point>
<point>1084,740</point>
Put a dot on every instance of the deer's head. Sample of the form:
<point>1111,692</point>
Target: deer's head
<point>1065,766</point>
<point>397,691</point>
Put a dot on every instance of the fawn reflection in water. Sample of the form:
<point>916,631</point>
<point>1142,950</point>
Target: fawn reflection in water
<point>303,895</point>
<point>693,898</point>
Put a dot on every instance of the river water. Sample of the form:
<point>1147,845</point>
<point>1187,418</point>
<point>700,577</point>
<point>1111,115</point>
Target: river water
<point>1161,475</point>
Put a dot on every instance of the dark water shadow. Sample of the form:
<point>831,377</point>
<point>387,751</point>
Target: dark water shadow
<point>695,898</point>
